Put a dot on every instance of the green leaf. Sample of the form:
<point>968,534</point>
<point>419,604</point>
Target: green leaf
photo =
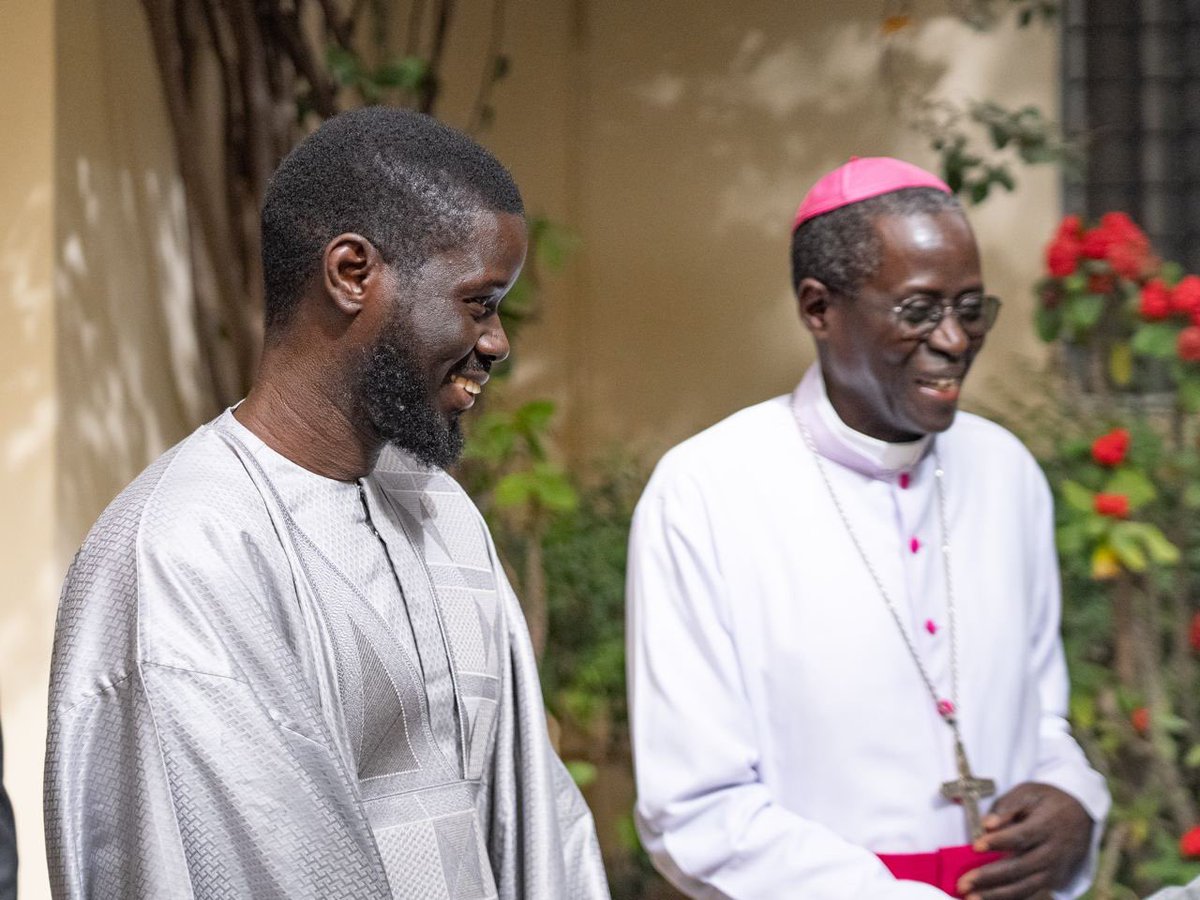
<point>1127,547</point>
<point>408,72</point>
<point>1171,273</point>
<point>1191,495</point>
<point>582,772</point>
<point>1048,323</point>
<point>1070,539</point>
<point>1161,550</point>
<point>1156,340</point>
<point>1192,760</point>
<point>1077,496</point>
<point>554,244</point>
<point>1173,724</point>
<point>513,490</point>
<point>1120,364</point>
<point>553,490</point>
<point>1001,176</point>
<point>1083,311</point>
<point>1083,711</point>
<point>535,416</point>
<point>343,65</point>
<point>1133,484</point>
<point>1075,283</point>
<point>1189,392</point>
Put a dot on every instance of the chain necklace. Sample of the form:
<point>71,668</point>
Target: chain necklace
<point>965,790</point>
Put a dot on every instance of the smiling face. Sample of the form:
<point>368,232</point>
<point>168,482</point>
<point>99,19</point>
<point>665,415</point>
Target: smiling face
<point>881,381</point>
<point>437,338</point>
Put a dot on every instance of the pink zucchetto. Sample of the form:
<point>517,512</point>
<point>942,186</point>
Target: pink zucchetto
<point>861,179</point>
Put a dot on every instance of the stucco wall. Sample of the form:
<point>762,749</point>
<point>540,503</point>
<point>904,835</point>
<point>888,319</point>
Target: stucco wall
<point>28,413</point>
<point>677,138</point>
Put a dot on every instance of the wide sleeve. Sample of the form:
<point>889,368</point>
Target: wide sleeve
<point>711,826</point>
<point>542,838</point>
<point>1060,761</point>
<point>185,757</point>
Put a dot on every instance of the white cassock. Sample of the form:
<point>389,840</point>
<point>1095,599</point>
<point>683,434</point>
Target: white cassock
<point>782,734</point>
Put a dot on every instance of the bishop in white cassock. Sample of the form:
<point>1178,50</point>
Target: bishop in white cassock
<point>815,615</point>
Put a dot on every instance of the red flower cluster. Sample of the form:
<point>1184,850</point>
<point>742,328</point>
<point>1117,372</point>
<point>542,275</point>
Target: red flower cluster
<point>1110,449</point>
<point>1116,240</point>
<point>1188,344</point>
<point>1122,244</point>
<point>1115,506</point>
<point>1194,633</point>
<point>1140,719</point>
<point>1065,248</point>
<point>1156,302</point>
<point>1189,844</point>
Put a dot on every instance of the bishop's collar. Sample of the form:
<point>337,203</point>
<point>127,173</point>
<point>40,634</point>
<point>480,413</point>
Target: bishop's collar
<point>838,442</point>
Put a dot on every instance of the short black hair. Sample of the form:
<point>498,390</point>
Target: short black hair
<point>403,180</point>
<point>841,249</point>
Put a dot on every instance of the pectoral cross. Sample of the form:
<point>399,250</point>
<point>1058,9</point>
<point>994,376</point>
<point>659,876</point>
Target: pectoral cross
<point>967,790</point>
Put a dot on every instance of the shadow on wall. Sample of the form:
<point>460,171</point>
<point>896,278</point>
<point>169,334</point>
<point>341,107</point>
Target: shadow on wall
<point>127,354</point>
<point>27,399</point>
<point>727,128</point>
<point>129,383</point>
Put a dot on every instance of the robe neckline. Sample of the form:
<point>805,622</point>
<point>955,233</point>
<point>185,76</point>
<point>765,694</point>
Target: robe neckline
<point>838,442</point>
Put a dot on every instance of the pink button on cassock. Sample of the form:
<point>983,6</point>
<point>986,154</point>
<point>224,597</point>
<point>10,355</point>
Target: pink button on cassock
<point>914,545</point>
<point>905,479</point>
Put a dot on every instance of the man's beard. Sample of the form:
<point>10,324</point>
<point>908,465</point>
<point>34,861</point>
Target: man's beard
<point>393,395</point>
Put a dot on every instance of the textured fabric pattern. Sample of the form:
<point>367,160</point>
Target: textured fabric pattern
<point>269,684</point>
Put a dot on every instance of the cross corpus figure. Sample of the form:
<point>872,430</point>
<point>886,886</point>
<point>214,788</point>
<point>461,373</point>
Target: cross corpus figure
<point>967,790</point>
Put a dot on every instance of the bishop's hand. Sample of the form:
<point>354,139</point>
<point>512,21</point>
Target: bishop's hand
<point>1048,834</point>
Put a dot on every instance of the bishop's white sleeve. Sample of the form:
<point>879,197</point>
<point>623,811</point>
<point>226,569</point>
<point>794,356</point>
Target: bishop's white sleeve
<point>1060,762</point>
<point>711,826</point>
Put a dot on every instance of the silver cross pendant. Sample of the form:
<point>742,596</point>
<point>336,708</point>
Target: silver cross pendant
<point>967,790</point>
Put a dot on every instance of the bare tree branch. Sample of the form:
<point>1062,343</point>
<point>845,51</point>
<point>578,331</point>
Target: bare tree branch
<point>491,70</point>
<point>341,29</point>
<point>428,94</point>
<point>300,53</point>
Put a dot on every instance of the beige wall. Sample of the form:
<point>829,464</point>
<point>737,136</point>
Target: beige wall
<point>27,411</point>
<point>677,137</point>
<point>674,137</point>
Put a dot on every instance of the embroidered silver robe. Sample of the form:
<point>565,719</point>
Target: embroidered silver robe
<point>269,684</point>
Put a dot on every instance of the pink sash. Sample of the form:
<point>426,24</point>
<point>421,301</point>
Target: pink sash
<point>941,869</point>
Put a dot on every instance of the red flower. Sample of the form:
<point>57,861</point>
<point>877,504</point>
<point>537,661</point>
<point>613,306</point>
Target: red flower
<point>1186,296</point>
<point>1188,344</point>
<point>1155,303</point>
<point>1128,248</point>
<point>1189,844</point>
<point>1140,719</point>
<point>1096,242</point>
<point>1072,225</point>
<point>1062,256</point>
<point>1110,449</point>
<point>1194,633</point>
<point>1101,284</point>
<point>1115,506</point>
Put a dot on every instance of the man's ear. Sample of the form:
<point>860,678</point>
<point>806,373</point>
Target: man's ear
<point>813,299</point>
<point>351,268</point>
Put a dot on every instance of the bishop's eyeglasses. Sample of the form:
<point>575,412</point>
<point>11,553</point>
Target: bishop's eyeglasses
<point>919,316</point>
